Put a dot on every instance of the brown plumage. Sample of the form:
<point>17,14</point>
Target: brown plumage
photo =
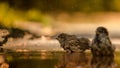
<point>101,44</point>
<point>71,43</point>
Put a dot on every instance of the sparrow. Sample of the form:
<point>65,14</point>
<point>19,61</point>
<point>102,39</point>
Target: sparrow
<point>101,44</point>
<point>70,43</point>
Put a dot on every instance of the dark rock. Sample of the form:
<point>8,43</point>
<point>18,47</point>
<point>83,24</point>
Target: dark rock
<point>19,33</point>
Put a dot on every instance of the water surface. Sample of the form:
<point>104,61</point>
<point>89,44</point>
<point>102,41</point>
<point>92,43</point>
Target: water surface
<point>60,59</point>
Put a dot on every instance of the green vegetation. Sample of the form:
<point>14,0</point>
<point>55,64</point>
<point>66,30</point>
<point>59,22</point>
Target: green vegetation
<point>117,58</point>
<point>65,5</point>
<point>39,10</point>
<point>8,16</point>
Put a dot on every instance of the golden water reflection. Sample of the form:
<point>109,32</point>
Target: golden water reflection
<point>59,60</point>
<point>74,60</point>
<point>81,60</point>
<point>103,62</point>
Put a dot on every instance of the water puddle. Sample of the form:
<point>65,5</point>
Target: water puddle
<point>58,59</point>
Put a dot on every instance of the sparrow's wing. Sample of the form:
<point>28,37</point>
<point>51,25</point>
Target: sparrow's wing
<point>84,43</point>
<point>74,45</point>
<point>106,41</point>
<point>74,42</point>
<point>71,37</point>
<point>106,45</point>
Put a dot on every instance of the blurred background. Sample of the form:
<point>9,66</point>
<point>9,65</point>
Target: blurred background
<point>50,17</point>
<point>34,24</point>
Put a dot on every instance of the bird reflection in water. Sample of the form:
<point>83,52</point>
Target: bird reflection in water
<point>102,62</point>
<point>73,60</point>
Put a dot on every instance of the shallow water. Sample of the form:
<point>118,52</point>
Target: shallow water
<point>59,59</point>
